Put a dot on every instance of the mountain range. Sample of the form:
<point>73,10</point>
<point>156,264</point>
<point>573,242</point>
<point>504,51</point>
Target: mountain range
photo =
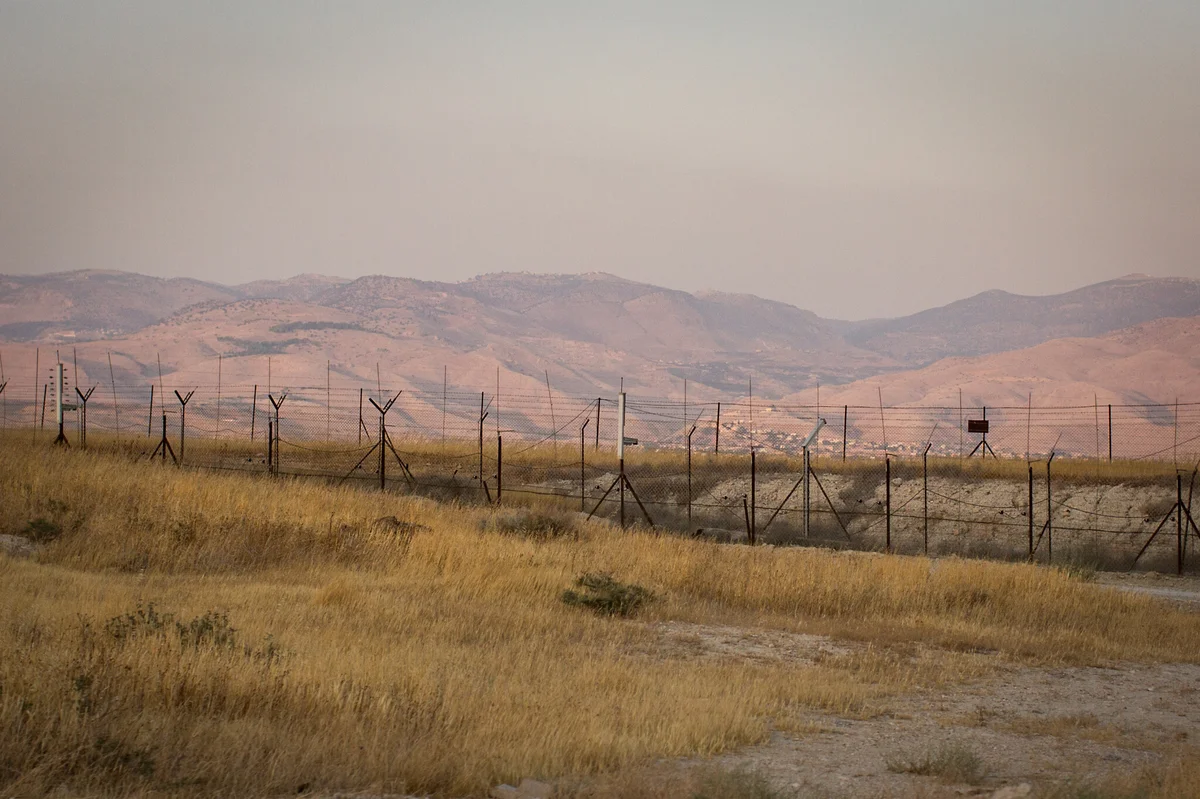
<point>1130,339</point>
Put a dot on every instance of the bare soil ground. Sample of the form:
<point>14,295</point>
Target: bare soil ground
<point>1034,726</point>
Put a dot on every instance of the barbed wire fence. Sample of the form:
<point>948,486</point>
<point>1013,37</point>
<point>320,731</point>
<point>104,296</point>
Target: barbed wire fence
<point>1109,486</point>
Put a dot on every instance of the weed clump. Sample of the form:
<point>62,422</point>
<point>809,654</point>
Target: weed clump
<point>738,783</point>
<point>209,631</point>
<point>606,596</point>
<point>953,763</point>
<point>41,530</point>
<point>537,525</point>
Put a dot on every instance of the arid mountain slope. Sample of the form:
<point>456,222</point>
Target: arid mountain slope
<point>996,321</point>
<point>593,331</point>
<point>1153,362</point>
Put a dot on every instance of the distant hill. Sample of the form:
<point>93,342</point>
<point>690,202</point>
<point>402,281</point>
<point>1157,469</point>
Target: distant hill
<point>996,321</point>
<point>590,332</point>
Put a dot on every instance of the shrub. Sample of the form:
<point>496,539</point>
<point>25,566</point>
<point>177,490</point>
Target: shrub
<point>953,762</point>
<point>532,524</point>
<point>606,596</point>
<point>42,530</point>
<point>738,783</point>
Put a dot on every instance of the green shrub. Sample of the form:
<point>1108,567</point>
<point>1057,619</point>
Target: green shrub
<point>953,763</point>
<point>41,530</point>
<point>606,596</point>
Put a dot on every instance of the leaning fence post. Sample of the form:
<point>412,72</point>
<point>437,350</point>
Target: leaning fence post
<point>887,494</point>
<point>253,411</point>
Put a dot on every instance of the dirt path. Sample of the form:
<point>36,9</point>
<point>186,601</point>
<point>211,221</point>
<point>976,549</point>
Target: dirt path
<point>1028,727</point>
<point>1185,590</point>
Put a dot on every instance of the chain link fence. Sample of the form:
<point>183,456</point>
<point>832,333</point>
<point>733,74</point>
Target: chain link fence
<point>1105,486</point>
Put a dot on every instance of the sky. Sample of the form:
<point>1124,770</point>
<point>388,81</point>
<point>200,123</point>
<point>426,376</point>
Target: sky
<point>856,158</point>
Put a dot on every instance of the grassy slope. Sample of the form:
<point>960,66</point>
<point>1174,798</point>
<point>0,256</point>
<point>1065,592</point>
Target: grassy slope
<point>450,663</point>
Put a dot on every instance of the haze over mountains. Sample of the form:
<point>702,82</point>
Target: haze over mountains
<point>1130,339</point>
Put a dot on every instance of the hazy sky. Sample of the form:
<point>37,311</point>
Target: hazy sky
<point>855,158</point>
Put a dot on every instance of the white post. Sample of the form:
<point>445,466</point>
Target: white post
<point>58,395</point>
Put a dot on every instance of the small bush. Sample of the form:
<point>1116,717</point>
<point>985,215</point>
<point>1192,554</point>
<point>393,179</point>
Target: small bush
<point>41,530</point>
<point>739,783</point>
<point>210,631</point>
<point>534,524</point>
<point>954,763</point>
<point>606,596</point>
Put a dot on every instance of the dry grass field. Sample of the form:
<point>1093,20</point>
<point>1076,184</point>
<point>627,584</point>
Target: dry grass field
<point>185,632</point>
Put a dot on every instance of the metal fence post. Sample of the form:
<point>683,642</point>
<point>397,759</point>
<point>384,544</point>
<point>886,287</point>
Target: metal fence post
<point>845,427</point>
<point>887,510</point>
<point>925,480</point>
<point>382,452</point>
<point>753,497</point>
<point>1031,513</point>
<point>499,467</point>
<point>717,440</point>
<point>1179,522</point>
<point>583,465</point>
<point>1049,515</point>
<point>689,476</point>
<point>807,493</point>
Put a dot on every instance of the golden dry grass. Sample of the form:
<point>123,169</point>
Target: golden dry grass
<point>449,663</point>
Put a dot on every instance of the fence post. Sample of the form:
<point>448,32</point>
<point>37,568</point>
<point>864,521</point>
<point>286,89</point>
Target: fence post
<point>753,497</point>
<point>689,476</point>
<point>597,445</point>
<point>887,509</point>
<point>1049,515</point>
<point>482,416</point>
<point>1179,528</point>
<point>499,467</point>
<point>925,480</point>
<point>583,465</point>
<point>1110,433</point>
<point>717,444</point>
<point>270,446</point>
<point>807,493</point>
<point>253,411</point>
<point>1031,513</point>
<point>382,452</point>
<point>845,427</point>
<point>150,420</point>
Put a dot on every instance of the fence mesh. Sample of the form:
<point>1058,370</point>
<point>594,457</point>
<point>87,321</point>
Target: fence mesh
<point>1106,485</point>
